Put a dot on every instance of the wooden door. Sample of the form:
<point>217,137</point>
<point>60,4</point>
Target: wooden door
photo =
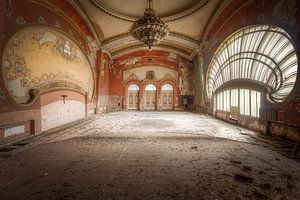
<point>133,100</point>
<point>167,100</point>
<point>150,99</point>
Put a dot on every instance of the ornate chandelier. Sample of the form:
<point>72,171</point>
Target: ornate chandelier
<point>150,29</point>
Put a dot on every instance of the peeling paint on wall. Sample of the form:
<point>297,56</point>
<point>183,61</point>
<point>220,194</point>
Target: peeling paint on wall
<point>58,113</point>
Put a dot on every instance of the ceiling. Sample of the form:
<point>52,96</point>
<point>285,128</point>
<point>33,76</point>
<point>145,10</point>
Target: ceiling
<point>112,19</point>
<point>135,8</point>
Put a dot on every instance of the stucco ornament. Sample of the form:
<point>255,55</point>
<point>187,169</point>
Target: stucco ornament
<point>9,8</point>
<point>168,77</point>
<point>130,62</point>
<point>2,94</point>
<point>41,20</point>
<point>20,21</point>
<point>131,77</point>
<point>57,24</point>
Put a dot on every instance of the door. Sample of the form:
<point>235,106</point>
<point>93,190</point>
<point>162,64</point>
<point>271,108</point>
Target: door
<point>133,97</point>
<point>150,97</point>
<point>167,97</point>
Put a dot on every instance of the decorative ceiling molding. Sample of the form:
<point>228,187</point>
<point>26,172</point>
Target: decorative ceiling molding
<point>163,47</point>
<point>184,37</point>
<point>116,38</point>
<point>182,44</point>
<point>170,18</point>
<point>188,39</point>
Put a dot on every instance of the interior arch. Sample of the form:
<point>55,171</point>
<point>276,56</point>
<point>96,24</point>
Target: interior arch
<point>262,53</point>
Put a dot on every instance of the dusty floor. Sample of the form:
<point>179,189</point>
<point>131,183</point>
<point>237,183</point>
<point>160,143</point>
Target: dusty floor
<point>148,155</point>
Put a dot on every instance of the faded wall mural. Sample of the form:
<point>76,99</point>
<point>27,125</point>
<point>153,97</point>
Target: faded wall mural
<point>42,58</point>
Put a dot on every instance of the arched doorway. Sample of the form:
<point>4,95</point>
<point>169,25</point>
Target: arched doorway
<point>150,97</point>
<point>167,97</point>
<point>133,97</point>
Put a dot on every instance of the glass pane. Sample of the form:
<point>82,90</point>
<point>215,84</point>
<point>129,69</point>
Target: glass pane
<point>133,87</point>
<point>150,87</point>
<point>167,87</point>
<point>258,103</point>
<point>253,104</point>
<point>221,101</point>
<point>242,102</point>
<point>234,97</point>
<point>227,101</point>
<point>224,100</point>
<point>247,102</point>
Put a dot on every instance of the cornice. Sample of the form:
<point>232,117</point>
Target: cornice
<point>121,42</point>
<point>170,18</point>
<point>176,50</point>
<point>171,34</point>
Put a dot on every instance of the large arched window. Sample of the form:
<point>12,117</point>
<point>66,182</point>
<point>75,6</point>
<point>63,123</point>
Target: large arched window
<point>150,87</point>
<point>263,54</point>
<point>133,87</point>
<point>167,87</point>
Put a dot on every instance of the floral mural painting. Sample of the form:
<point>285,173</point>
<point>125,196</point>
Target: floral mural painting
<point>43,58</point>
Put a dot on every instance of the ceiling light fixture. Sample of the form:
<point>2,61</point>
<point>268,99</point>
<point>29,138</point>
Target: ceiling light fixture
<point>150,29</point>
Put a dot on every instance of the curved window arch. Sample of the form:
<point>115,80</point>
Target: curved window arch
<point>150,87</point>
<point>167,87</point>
<point>263,54</point>
<point>133,87</point>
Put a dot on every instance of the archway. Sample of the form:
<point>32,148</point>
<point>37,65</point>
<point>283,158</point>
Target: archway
<point>262,54</point>
<point>133,97</point>
<point>167,97</point>
<point>150,97</point>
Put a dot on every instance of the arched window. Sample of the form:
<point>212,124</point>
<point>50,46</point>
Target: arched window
<point>167,87</point>
<point>133,87</point>
<point>150,87</point>
<point>263,54</point>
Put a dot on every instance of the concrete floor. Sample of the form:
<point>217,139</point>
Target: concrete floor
<point>149,155</point>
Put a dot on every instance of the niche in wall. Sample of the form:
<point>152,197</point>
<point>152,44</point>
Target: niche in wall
<point>39,57</point>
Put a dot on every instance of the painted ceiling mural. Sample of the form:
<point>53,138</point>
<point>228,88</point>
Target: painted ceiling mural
<point>41,58</point>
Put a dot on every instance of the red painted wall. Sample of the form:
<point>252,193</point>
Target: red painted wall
<point>117,86</point>
<point>35,12</point>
